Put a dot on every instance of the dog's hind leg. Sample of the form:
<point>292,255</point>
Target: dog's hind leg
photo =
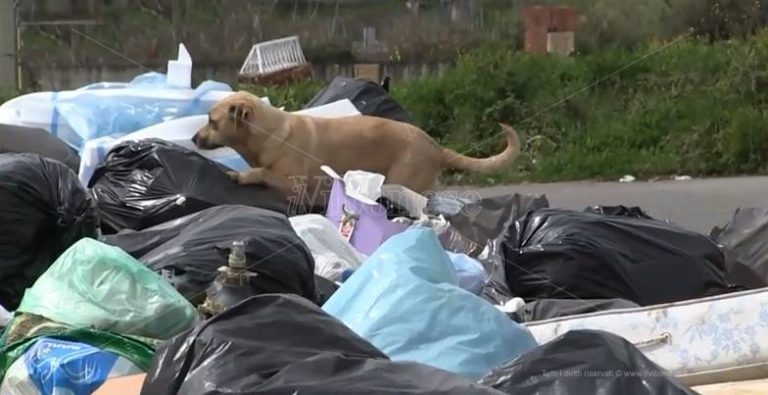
<point>416,177</point>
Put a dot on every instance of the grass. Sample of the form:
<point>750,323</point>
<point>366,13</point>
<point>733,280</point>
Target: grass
<point>691,108</point>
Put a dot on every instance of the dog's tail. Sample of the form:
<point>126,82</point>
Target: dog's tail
<point>454,160</point>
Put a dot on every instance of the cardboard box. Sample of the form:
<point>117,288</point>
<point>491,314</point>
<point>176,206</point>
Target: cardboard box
<point>561,43</point>
<point>367,71</point>
<point>126,385</point>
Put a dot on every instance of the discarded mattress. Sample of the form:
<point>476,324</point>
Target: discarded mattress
<point>297,348</point>
<point>94,285</point>
<point>149,182</point>
<point>53,366</point>
<point>19,139</point>
<point>405,300</point>
<point>561,254</point>
<point>180,132</point>
<point>704,341</point>
<point>367,96</point>
<point>190,250</point>
<point>585,362</point>
<point>332,254</point>
<point>97,111</point>
<point>43,211</point>
<point>746,250</point>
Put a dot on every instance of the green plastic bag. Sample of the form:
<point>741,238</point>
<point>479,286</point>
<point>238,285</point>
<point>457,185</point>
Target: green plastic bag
<point>102,287</point>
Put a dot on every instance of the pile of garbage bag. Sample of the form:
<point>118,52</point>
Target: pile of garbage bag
<point>149,182</point>
<point>141,259</point>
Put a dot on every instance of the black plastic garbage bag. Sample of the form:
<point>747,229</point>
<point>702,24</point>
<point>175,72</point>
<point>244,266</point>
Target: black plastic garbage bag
<point>561,254</point>
<point>19,139</point>
<point>281,344</point>
<point>745,240</point>
<point>324,289</point>
<point>368,97</point>
<point>621,211</point>
<point>43,211</point>
<point>482,223</point>
<point>585,362</point>
<point>144,183</point>
<point>545,309</point>
<point>190,250</point>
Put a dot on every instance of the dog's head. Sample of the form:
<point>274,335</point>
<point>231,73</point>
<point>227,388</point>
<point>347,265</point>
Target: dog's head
<point>229,121</point>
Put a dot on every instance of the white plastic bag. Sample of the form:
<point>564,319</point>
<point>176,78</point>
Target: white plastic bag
<point>332,254</point>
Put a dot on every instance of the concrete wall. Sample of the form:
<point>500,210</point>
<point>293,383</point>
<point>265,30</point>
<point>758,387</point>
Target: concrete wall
<point>7,45</point>
<point>74,77</point>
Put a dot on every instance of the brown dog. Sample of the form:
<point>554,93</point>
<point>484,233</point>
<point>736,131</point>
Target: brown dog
<point>286,150</point>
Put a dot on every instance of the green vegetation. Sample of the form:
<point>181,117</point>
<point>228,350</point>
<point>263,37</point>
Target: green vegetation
<point>681,107</point>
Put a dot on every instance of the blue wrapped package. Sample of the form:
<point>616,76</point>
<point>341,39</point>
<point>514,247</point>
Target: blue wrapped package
<point>115,111</point>
<point>406,301</point>
<point>53,366</point>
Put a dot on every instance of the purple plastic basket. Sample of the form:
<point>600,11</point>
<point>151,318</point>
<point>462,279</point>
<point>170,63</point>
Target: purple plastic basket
<point>372,227</point>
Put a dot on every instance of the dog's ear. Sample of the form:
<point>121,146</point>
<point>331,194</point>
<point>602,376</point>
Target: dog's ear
<point>242,110</point>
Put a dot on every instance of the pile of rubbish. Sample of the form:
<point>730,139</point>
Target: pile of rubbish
<point>134,264</point>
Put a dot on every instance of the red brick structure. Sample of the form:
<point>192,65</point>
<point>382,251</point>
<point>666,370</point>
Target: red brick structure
<point>540,21</point>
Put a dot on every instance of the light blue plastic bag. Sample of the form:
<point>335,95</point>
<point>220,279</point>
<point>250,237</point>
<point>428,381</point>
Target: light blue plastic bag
<point>405,300</point>
<point>90,116</point>
<point>470,272</point>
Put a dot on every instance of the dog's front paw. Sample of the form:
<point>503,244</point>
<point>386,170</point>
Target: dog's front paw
<point>234,176</point>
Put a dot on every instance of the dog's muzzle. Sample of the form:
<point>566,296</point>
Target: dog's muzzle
<point>199,141</point>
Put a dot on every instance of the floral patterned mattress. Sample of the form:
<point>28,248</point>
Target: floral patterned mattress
<point>703,341</point>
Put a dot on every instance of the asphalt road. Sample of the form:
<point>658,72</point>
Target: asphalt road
<point>697,204</point>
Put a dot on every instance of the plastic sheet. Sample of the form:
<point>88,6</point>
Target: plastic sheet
<point>192,249</point>
<point>43,211</point>
<point>746,251</point>
<point>560,254</point>
<point>370,98</point>
<point>332,254</point>
<point>149,182</point>
<point>404,299</point>
<point>98,286</point>
<point>585,362</point>
<point>297,349</point>
<point>52,366</point>
<point>85,114</point>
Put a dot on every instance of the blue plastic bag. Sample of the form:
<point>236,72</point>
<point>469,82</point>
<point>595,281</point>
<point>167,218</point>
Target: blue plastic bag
<point>53,366</point>
<point>90,116</point>
<point>405,300</point>
<point>470,272</point>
